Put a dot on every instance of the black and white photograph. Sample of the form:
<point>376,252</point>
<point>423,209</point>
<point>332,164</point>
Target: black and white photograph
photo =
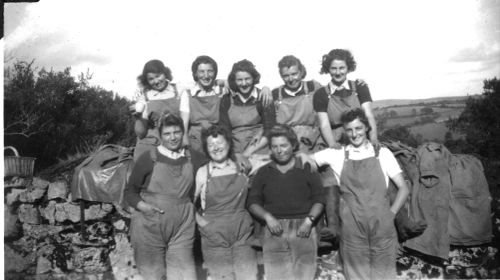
<point>251,140</point>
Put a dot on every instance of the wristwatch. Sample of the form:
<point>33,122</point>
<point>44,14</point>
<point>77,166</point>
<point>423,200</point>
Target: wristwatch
<point>311,218</point>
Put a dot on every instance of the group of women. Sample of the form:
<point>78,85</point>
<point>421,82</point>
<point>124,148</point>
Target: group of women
<point>225,122</point>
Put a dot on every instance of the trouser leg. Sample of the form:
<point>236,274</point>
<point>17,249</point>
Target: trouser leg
<point>180,264</point>
<point>150,261</point>
<point>304,252</point>
<point>354,248</point>
<point>245,262</point>
<point>276,255</point>
<point>219,262</point>
<point>383,250</point>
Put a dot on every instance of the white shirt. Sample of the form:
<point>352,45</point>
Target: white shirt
<point>333,87</point>
<point>294,92</point>
<point>254,94</point>
<point>168,92</point>
<point>335,159</point>
<point>197,90</point>
<point>172,154</point>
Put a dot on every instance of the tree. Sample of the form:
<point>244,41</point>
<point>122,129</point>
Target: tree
<point>480,121</point>
<point>426,111</point>
<point>403,134</point>
<point>51,115</point>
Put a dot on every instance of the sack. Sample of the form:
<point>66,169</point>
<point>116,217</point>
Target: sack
<point>102,177</point>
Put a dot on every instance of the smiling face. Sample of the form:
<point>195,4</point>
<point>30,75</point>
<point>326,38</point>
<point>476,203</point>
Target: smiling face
<point>218,148</point>
<point>338,71</point>
<point>244,82</point>
<point>356,132</point>
<point>281,150</point>
<point>157,81</point>
<point>171,137</point>
<point>292,77</point>
<point>205,75</point>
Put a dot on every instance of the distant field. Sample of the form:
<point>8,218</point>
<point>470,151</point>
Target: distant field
<point>432,131</point>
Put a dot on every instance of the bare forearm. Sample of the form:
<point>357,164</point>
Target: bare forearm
<point>316,210</point>
<point>402,195</point>
<point>258,211</point>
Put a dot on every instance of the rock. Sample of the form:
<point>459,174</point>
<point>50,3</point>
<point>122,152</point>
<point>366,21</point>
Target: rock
<point>28,213</point>
<point>121,258</point>
<point>41,231</point>
<point>17,262</point>
<point>48,212</point>
<point>90,259</point>
<point>12,195</point>
<point>58,189</point>
<point>39,183</point>
<point>32,194</point>
<point>10,226</point>
<point>43,265</point>
<point>120,225</point>
<point>16,182</point>
<point>70,211</point>
<point>25,244</point>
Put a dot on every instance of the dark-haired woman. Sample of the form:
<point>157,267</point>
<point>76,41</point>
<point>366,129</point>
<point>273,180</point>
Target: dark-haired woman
<point>157,97</point>
<point>368,239</point>
<point>160,188</point>
<point>339,96</point>
<point>246,116</point>
<point>224,223</point>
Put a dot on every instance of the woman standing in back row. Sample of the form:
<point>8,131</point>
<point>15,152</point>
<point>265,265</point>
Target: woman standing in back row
<point>339,96</point>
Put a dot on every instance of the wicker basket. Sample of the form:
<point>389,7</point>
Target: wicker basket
<point>18,166</point>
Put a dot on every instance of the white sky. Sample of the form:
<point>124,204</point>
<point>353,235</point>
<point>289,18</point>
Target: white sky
<point>404,49</point>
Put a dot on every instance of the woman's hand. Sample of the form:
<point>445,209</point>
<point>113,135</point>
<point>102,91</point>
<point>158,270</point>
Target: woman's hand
<point>147,208</point>
<point>305,228</point>
<point>273,225</point>
<point>307,159</point>
<point>266,96</point>
<point>201,221</point>
<point>243,163</point>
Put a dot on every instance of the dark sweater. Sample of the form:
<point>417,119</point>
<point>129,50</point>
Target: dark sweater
<point>286,196</point>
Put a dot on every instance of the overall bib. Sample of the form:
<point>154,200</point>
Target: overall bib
<point>245,122</point>
<point>298,112</point>
<point>203,112</point>
<point>226,238</point>
<point>337,106</point>
<point>163,243</point>
<point>368,239</point>
<point>159,108</point>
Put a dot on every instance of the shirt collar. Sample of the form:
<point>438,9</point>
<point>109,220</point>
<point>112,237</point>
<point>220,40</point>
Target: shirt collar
<point>172,154</point>
<point>368,147</point>
<point>223,165</point>
<point>169,89</point>
<point>334,87</point>
<point>254,94</point>
<point>197,89</point>
<point>294,92</point>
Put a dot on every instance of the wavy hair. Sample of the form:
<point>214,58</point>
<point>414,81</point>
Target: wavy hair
<point>337,54</point>
<point>153,66</point>
<point>242,66</point>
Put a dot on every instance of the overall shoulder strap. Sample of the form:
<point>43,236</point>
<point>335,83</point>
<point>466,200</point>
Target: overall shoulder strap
<point>352,85</point>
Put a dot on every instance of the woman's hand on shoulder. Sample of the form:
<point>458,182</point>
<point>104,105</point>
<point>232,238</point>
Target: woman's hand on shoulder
<point>266,96</point>
<point>307,160</point>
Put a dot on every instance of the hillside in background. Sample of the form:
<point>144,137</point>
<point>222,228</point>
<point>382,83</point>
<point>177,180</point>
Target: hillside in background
<point>424,119</point>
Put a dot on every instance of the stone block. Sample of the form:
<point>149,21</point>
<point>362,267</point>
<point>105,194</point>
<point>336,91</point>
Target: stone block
<point>12,195</point>
<point>32,194</point>
<point>70,211</point>
<point>48,211</point>
<point>40,183</point>
<point>42,231</point>
<point>58,189</point>
<point>28,213</point>
<point>10,226</point>
<point>90,259</point>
